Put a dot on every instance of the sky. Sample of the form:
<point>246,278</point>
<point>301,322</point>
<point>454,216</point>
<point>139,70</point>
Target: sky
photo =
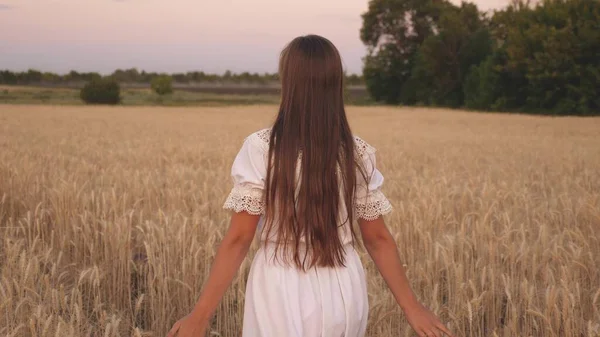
<point>174,35</point>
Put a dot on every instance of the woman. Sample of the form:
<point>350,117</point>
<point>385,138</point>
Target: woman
<point>303,183</point>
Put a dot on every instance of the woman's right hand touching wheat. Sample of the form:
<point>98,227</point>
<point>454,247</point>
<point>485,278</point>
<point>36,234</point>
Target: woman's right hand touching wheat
<point>382,248</point>
<point>425,323</point>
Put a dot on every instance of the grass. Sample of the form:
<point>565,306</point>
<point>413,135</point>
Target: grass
<point>110,218</point>
<point>130,97</point>
<point>24,95</point>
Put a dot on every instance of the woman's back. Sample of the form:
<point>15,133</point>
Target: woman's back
<point>317,301</point>
<point>249,174</point>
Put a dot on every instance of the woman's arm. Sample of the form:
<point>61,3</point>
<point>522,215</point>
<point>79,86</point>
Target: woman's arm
<point>382,248</point>
<point>232,251</point>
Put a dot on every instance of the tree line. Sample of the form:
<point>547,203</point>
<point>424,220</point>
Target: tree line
<point>133,75</point>
<point>534,58</point>
<point>542,58</point>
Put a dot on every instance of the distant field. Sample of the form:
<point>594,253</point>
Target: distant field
<point>136,95</point>
<point>132,97</point>
<point>110,217</point>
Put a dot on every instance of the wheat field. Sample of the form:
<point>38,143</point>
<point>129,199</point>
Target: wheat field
<point>110,218</point>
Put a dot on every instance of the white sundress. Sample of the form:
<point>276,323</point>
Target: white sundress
<point>282,301</point>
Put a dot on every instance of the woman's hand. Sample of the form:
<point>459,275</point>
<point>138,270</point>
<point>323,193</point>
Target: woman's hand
<point>382,247</point>
<point>425,323</point>
<point>231,253</point>
<point>189,326</point>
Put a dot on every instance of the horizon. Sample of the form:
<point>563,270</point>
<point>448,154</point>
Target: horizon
<point>181,36</point>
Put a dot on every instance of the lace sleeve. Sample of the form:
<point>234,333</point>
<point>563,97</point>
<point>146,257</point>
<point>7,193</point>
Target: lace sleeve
<point>245,198</point>
<point>371,202</point>
<point>248,174</point>
<point>375,206</point>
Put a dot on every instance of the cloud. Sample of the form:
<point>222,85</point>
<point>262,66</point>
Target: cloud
<point>5,7</point>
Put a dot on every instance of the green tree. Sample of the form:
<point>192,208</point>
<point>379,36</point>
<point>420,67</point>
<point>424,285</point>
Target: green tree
<point>126,76</point>
<point>180,78</point>
<point>72,76</point>
<point>101,91</point>
<point>162,85</point>
<point>561,51</point>
<point>8,77</point>
<point>483,85</point>
<point>32,76</point>
<point>48,77</point>
<point>393,31</point>
<point>461,40</point>
<point>546,60</point>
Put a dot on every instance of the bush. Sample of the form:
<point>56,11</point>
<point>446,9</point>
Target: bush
<point>101,91</point>
<point>481,87</point>
<point>162,85</point>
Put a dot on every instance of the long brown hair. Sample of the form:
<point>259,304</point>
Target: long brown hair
<point>311,134</point>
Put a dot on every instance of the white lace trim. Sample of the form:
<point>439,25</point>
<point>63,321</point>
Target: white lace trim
<point>376,206</point>
<point>363,147</point>
<point>264,135</point>
<point>261,139</point>
<point>245,198</point>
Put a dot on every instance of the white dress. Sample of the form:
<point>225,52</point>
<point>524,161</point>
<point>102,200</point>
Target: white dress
<point>282,301</point>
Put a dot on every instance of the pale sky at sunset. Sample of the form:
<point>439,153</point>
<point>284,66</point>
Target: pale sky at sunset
<point>173,35</point>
